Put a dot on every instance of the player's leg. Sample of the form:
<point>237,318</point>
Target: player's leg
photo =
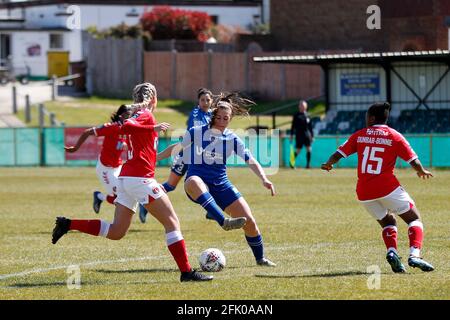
<point>298,147</point>
<point>388,224</point>
<point>114,231</point>
<point>415,235</point>
<point>308,155</point>
<point>177,171</point>
<point>98,197</point>
<point>172,181</point>
<point>399,202</point>
<point>240,208</point>
<point>161,208</point>
<point>198,192</point>
<point>108,177</point>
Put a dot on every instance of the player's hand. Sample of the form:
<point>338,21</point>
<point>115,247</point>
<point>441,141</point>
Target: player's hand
<point>425,174</point>
<point>163,126</point>
<point>326,166</point>
<point>70,149</point>
<point>269,185</point>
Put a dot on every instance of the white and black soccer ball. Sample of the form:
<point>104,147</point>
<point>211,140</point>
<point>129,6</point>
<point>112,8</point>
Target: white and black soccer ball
<point>212,260</point>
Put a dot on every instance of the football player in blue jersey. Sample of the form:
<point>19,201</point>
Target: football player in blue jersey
<point>199,116</point>
<point>206,149</point>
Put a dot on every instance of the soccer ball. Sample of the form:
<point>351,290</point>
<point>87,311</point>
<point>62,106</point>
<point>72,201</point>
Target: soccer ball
<point>212,260</point>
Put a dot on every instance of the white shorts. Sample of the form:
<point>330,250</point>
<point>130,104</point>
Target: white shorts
<point>397,202</point>
<point>108,177</point>
<point>133,190</point>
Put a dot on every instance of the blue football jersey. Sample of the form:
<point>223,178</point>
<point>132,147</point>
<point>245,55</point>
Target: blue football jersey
<point>206,152</point>
<point>198,117</point>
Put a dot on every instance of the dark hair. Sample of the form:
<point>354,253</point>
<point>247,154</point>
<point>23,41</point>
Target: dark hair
<point>115,117</point>
<point>379,110</point>
<point>238,105</point>
<point>203,91</point>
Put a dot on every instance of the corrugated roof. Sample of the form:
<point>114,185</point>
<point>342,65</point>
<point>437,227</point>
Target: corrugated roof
<point>356,57</point>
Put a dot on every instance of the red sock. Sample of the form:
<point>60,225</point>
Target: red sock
<point>178,251</point>
<point>390,237</point>
<point>86,226</point>
<point>110,198</point>
<point>415,234</point>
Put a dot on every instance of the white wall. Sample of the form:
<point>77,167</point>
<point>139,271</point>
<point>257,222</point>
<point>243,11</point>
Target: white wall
<point>74,45</point>
<point>20,42</point>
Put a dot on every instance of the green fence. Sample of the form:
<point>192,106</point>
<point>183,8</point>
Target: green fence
<point>433,151</point>
<point>35,147</point>
<point>45,147</point>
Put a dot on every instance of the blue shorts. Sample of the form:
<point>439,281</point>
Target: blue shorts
<point>224,193</point>
<point>178,166</point>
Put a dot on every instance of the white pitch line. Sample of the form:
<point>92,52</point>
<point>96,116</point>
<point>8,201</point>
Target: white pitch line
<point>123,260</point>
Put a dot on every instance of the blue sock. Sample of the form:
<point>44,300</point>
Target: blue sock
<point>210,205</point>
<point>257,246</point>
<point>168,187</point>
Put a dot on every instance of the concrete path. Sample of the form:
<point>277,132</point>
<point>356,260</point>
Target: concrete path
<point>39,91</point>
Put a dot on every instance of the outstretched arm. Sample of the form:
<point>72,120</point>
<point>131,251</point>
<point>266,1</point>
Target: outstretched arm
<point>134,127</point>
<point>81,140</point>
<point>167,152</point>
<point>421,172</point>
<point>259,171</point>
<point>335,157</point>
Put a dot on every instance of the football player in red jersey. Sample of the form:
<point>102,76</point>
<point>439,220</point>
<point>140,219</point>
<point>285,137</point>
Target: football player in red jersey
<point>137,185</point>
<point>378,190</point>
<point>109,162</point>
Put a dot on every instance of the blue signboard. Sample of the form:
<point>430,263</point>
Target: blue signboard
<point>360,84</point>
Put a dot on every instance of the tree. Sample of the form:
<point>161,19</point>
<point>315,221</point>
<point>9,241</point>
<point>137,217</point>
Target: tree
<point>165,22</point>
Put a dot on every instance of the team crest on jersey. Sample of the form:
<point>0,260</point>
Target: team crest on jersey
<point>155,190</point>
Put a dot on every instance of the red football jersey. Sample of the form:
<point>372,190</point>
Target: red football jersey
<point>142,145</point>
<point>113,144</point>
<point>378,148</point>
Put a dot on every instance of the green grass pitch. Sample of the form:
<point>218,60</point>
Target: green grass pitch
<point>324,242</point>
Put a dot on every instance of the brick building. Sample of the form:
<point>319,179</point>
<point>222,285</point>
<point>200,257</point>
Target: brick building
<point>341,25</point>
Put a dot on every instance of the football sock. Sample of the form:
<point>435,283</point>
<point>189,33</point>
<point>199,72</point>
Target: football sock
<point>92,227</point>
<point>168,187</point>
<point>210,205</point>
<point>177,248</point>
<point>111,198</point>
<point>100,196</point>
<point>257,246</point>
<point>390,237</point>
<point>415,234</point>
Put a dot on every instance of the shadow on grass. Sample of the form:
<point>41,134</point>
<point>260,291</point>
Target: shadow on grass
<point>47,284</point>
<point>319,275</point>
<point>135,271</point>
<point>129,231</point>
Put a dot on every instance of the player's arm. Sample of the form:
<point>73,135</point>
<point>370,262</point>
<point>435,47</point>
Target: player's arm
<point>344,150</point>
<point>310,128</point>
<point>134,127</point>
<point>81,140</point>
<point>293,126</point>
<point>173,149</point>
<point>406,152</point>
<point>420,170</point>
<point>334,158</point>
<point>259,171</point>
<point>190,121</point>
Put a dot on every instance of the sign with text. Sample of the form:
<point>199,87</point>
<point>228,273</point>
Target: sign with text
<point>360,84</point>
